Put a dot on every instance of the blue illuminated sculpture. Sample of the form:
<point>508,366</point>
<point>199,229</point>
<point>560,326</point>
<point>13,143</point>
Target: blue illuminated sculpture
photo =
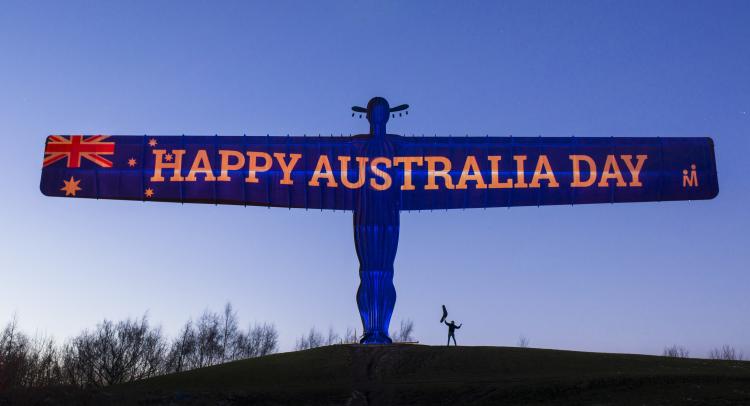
<point>376,223</point>
<point>376,176</point>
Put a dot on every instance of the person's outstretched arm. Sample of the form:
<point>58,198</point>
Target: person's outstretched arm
<point>459,326</point>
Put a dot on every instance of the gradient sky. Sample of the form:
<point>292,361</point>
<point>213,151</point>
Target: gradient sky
<point>614,278</point>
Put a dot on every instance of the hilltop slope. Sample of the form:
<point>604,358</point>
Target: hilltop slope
<point>415,374</point>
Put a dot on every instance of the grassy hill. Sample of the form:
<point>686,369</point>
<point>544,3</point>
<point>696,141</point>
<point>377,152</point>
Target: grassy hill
<point>416,374</point>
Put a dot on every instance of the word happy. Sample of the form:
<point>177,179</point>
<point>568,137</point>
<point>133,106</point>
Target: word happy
<point>433,172</point>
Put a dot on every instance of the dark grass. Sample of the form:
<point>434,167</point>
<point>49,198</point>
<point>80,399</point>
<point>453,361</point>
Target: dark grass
<point>425,375</point>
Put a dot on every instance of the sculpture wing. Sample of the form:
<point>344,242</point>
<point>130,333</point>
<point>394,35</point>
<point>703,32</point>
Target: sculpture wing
<point>142,168</point>
<point>513,171</point>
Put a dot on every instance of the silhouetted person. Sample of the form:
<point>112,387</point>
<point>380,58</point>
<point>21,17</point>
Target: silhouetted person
<point>452,331</point>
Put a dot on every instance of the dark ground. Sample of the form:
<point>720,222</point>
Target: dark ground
<point>424,375</point>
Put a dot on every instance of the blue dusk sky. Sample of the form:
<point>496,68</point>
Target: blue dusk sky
<point>613,278</point>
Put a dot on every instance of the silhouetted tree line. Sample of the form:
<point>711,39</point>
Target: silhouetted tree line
<point>25,362</point>
<point>726,353</point>
<point>217,338</point>
<point>676,351</point>
<point>314,338</point>
<point>128,350</point>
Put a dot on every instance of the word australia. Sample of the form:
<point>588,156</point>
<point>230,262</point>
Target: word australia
<point>406,172</point>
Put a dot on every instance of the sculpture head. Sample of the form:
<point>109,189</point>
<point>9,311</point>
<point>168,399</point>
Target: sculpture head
<point>377,112</point>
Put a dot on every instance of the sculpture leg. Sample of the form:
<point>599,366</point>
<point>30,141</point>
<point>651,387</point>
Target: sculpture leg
<point>376,298</point>
<point>376,240</point>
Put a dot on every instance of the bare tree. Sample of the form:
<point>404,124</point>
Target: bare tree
<point>726,352</point>
<point>523,341</point>
<point>229,331</point>
<point>13,349</point>
<point>43,363</point>
<point>208,340</point>
<point>269,339</point>
<point>333,337</point>
<point>350,337</point>
<point>404,333</point>
<point>676,351</point>
<point>182,352</point>
<point>26,362</point>
<point>312,339</point>
<point>260,340</point>
<point>115,353</point>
